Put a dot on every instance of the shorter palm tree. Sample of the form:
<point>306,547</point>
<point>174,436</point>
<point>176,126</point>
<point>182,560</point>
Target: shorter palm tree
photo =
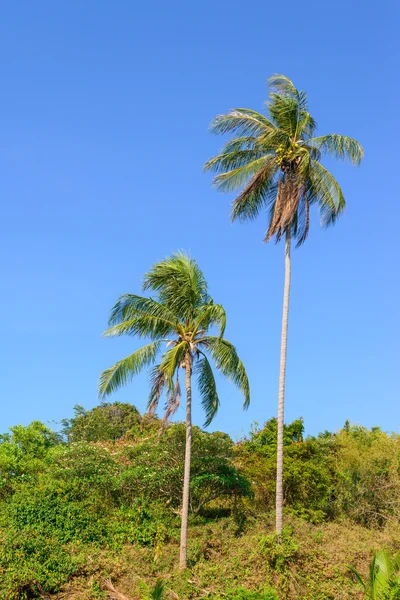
<point>383,582</point>
<point>182,316</point>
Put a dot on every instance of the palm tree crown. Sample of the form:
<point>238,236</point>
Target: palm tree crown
<point>181,317</point>
<point>276,162</point>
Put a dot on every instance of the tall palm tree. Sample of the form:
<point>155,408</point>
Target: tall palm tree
<point>182,316</point>
<point>275,162</point>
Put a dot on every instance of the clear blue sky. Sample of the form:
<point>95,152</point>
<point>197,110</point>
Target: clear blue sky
<point>104,114</point>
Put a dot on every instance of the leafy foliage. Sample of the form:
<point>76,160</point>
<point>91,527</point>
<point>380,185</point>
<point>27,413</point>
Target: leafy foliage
<point>65,503</point>
<point>105,422</point>
<point>61,496</point>
<point>354,473</point>
<point>383,582</point>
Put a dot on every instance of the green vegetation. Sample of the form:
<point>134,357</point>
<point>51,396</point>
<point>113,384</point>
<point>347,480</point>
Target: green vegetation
<point>182,317</point>
<point>383,582</point>
<point>275,163</point>
<point>92,510</point>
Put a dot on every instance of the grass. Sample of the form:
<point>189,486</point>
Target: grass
<point>309,565</point>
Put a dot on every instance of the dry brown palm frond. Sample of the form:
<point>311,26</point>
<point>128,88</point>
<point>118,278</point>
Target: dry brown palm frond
<point>157,387</point>
<point>173,402</point>
<point>286,205</point>
<point>115,595</point>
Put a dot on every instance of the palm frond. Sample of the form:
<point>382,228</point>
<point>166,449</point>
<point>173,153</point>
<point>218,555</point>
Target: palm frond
<point>289,107</point>
<point>256,194</point>
<point>323,188</point>
<point>338,146</point>
<point>207,388</point>
<point>157,592</point>
<point>171,360</point>
<point>173,401</point>
<point>383,580</point>
<point>131,306</point>
<point>301,224</point>
<point>313,152</point>
<point>158,383</point>
<point>384,570</point>
<point>357,575</point>
<point>284,110</point>
<point>259,193</point>
<point>248,142</point>
<point>306,125</point>
<point>241,151</point>
<point>233,159</point>
<point>228,362</point>
<point>286,205</point>
<point>180,284</point>
<point>124,370</point>
<point>236,178</point>
<point>208,315</point>
<point>243,122</point>
<point>252,114</point>
<point>280,84</point>
<point>144,326</point>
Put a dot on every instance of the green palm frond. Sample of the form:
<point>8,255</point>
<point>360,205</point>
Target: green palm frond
<point>338,146</point>
<point>240,152</point>
<point>301,222</point>
<point>258,193</point>
<point>306,126</point>
<point>131,306</point>
<point>233,160</point>
<point>313,152</point>
<point>144,326</point>
<point>285,112</point>
<point>207,388</point>
<point>248,142</point>
<point>157,592</point>
<point>180,284</point>
<point>228,362</point>
<point>324,189</point>
<point>383,582</point>
<point>289,107</point>
<point>236,178</point>
<point>124,370</point>
<point>357,576</point>
<point>282,85</point>
<point>171,360</point>
<point>242,121</point>
<point>208,315</point>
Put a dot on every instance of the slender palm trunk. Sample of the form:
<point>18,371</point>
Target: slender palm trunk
<point>281,394</point>
<point>186,479</point>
